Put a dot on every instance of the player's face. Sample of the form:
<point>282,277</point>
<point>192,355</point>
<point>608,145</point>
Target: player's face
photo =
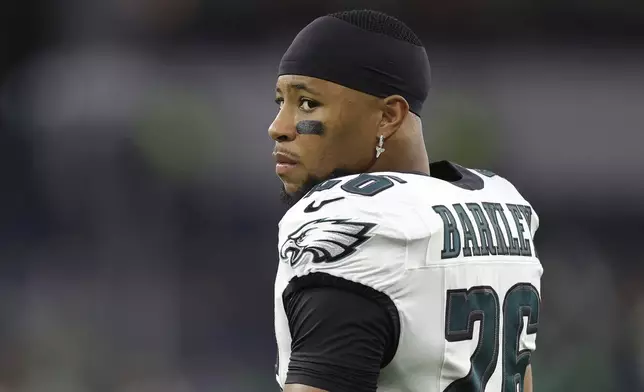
<point>321,128</point>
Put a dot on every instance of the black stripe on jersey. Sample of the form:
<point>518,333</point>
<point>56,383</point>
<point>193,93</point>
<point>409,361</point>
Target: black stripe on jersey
<point>456,175</point>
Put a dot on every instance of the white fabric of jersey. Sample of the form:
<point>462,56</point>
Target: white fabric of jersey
<point>402,259</point>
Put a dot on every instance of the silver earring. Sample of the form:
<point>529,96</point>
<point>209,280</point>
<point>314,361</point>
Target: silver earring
<point>379,148</point>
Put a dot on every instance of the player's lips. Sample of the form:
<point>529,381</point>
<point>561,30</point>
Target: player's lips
<point>284,163</point>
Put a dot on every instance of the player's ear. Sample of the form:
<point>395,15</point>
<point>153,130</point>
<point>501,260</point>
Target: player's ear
<point>394,111</point>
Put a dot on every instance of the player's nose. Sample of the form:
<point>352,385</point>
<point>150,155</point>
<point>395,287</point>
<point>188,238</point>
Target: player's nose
<point>282,129</point>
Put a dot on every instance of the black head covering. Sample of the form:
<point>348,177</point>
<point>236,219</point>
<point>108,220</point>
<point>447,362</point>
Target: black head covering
<point>372,62</point>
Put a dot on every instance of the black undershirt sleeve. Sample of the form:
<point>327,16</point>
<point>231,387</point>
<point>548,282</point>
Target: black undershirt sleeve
<point>342,334</point>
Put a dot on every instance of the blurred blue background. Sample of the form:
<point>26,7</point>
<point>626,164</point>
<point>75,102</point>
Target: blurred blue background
<point>139,205</point>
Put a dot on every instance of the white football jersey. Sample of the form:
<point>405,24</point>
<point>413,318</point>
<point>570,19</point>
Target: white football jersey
<point>456,258</point>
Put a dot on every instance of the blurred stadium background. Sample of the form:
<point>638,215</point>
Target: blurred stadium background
<point>138,204</point>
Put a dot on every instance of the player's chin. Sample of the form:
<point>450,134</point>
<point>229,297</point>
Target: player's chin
<point>291,179</point>
<point>291,187</point>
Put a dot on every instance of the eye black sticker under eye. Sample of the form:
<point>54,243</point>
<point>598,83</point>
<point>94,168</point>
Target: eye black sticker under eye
<point>309,127</point>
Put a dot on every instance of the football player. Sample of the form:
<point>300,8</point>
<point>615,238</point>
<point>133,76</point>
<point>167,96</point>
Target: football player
<point>395,274</point>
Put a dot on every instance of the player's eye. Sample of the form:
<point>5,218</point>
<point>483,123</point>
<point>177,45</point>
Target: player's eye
<point>308,105</point>
<point>279,101</point>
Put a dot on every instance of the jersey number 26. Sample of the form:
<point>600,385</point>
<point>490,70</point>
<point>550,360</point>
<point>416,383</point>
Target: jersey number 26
<point>481,303</point>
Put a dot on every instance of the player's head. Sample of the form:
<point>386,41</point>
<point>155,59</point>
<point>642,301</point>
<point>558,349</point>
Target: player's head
<point>346,81</point>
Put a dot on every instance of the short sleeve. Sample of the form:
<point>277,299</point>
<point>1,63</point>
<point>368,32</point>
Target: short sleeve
<point>360,239</point>
<point>342,334</point>
<point>349,252</point>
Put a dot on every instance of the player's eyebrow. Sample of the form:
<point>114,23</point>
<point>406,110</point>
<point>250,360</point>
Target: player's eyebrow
<point>300,87</point>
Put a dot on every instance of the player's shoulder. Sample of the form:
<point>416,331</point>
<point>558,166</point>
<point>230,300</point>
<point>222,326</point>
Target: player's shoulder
<point>459,181</point>
<point>498,189</point>
<point>383,198</point>
<point>497,185</point>
<point>399,204</point>
<point>482,187</point>
<point>357,228</point>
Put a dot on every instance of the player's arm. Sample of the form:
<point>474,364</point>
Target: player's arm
<point>527,380</point>
<point>341,336</point>
<point>302,388</point>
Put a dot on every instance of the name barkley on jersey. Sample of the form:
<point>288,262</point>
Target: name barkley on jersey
<point>487,221</point>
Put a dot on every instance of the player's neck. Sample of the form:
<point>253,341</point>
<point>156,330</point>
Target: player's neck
<point>402,155</point>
